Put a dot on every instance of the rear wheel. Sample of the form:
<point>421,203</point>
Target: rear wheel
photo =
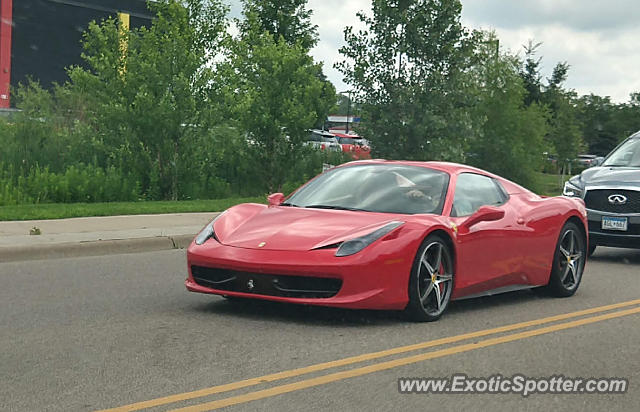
<point>431,281</point>
<point>568,261</point>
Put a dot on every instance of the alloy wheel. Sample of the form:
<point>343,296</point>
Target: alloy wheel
<point>435,278</point>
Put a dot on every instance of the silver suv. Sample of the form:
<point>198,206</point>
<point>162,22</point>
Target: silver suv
<point>611,193</point>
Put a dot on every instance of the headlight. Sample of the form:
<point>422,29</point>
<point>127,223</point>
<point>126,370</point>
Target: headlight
<point>572,189</point>
<point>207,232</point>
<point>353,246</point>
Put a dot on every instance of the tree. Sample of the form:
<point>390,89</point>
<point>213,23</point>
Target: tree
<point>564,135</point>
<point>408,69</point>
<point>627,116</point>
<point>157,89</point>
<point>604,123</point>
<point>289,19</point>
<point>279,93</point>
<point>511,138</point>
<point>530,73</point>
<point>564,131</point>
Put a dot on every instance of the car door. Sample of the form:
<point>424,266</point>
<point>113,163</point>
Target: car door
<point>490,253</point>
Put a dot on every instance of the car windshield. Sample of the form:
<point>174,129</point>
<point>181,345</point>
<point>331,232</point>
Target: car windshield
<point>376,188</point>
<point>348,140</point>
<point>627,155</point>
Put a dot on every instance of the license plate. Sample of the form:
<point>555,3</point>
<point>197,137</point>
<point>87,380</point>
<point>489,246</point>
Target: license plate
<point>614,223</point>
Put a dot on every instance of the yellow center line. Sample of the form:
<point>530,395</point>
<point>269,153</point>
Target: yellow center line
<point>361,358</point>
<point>338,376</point>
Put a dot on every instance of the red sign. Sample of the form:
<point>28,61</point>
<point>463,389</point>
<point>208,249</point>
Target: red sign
<point>6,23</point>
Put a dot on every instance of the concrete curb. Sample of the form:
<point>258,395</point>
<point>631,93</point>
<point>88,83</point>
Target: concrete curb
<point>93,248</point>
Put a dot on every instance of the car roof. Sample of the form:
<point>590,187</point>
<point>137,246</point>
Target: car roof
<point>448,167</point>
<point>323,133</point>
<point>351,136</point>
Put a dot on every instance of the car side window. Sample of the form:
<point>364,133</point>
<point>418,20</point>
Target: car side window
<point>474,191</point>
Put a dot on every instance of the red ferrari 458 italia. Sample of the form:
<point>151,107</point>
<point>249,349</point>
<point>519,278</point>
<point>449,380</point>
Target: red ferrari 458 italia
<point>393,235</point>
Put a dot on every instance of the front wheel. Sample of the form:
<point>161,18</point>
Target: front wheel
<point>568,261</point>
<point>431,281</point>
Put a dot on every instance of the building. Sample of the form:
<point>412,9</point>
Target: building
<point>40,38</point>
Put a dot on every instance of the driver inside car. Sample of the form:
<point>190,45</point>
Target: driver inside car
<point>419,193</point>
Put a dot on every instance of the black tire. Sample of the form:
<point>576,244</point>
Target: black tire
<point>592,248</point>
<point>426,304</point>
<point>568,261</point>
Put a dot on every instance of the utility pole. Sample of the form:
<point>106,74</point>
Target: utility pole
<point>348,110</point>
<point>348,92</point>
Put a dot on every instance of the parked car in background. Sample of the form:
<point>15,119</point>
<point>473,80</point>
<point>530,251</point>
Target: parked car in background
<point>587,160</point>
<point>611,193</point>
<point>323,140</point>
<point>355,145</point>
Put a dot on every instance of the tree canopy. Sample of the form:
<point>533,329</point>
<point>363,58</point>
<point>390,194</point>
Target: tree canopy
<point>182,109</point>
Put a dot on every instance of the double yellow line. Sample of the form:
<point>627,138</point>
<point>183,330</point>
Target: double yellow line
<point>376,367</point>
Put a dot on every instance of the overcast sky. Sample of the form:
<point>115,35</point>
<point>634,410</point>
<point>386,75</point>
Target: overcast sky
<point>599,39</point>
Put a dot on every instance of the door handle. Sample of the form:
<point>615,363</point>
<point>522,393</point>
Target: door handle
<point>520,221</point>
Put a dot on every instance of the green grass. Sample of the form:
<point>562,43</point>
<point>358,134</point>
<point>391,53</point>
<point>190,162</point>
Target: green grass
<point>549,184</point>
<point>66,210</point>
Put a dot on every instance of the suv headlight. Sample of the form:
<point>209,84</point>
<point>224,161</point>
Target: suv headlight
<point>208,232</point>
<point>353,246</point>
<point>572,189</point>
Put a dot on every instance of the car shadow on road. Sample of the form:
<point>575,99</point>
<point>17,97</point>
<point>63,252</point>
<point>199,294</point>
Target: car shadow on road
<point>326,316</point>
<point>494,301</point>
<point>615,255</point>
<point>302,314</point>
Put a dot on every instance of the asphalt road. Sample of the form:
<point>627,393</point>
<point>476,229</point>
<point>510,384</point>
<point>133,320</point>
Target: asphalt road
<point>109,331</point>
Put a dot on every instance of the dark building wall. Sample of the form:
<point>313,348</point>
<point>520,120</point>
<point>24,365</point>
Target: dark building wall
<point>47,34</point>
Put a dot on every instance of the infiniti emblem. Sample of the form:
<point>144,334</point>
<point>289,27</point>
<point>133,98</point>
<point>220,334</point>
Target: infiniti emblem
<point>617,199</point>
<point>250,284</point>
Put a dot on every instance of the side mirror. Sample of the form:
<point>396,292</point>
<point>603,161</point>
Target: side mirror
<point>275,199</point>
<point>484,214</point>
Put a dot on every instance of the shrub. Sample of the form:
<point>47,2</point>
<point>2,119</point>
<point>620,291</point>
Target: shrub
<point>78,183</point>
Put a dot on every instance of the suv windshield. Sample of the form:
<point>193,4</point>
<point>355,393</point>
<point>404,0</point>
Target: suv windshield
<point>376,188</point>
<point>627,155</point>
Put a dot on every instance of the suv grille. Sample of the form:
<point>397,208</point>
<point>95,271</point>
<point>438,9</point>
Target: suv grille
<point>598,199</point>
<point>270,285</point>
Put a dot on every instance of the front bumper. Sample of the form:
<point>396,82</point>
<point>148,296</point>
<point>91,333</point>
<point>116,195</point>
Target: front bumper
<point>613,238</point>
<point>371,279</point>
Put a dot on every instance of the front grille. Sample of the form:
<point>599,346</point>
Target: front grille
<point>262,284</point>
<point>598,199</point>
<point>596,226</point>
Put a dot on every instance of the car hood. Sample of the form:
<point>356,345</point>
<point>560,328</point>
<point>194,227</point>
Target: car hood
<point>296,229</point>
<point>611,176</point>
